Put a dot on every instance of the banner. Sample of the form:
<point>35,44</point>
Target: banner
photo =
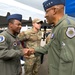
<point>70,7</point>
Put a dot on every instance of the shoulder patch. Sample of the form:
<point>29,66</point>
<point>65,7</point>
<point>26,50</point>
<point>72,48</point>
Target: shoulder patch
<point>52,35</point>
<point>70,32</point>
<point>2,38</point>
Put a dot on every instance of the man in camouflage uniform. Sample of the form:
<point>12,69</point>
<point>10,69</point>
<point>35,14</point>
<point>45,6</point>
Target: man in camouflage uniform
<point>32,39</point>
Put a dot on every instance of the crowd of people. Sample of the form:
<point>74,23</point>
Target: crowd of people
<point>16,45</point>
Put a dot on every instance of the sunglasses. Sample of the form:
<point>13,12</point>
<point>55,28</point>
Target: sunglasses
<point>38,23</point>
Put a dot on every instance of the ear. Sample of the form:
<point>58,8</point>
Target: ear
<point>10,24</point>
<point>33,24</point>
<point>56,9</point>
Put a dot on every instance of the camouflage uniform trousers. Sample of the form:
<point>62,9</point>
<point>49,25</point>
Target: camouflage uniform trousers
<point>32,65</point>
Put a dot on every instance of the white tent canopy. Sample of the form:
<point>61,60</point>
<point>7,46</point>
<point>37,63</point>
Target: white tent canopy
<point>27,11</point>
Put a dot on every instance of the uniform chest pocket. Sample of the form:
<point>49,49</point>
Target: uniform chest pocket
<point>52,40</point>
<point>14,45</point>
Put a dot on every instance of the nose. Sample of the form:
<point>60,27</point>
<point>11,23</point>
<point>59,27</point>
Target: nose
<point>45,15</point>
<point>20,26</point>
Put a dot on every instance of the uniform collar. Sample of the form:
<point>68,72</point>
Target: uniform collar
<point>33,31</point>
<point>8,31</point>
<point>65,16</point>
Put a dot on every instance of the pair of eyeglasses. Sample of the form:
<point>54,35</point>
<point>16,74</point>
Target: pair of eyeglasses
<point>38,23</point>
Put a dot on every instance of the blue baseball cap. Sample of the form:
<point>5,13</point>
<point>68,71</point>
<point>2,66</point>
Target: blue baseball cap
<point>15,16</point>
<point>49,3</point>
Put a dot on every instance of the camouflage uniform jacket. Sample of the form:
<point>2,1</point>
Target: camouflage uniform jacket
<point>31,38</point>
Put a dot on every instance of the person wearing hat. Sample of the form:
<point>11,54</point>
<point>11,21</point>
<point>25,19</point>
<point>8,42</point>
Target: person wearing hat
<point>32,39</point>
<point>61,48</point>
<point>10,47</point>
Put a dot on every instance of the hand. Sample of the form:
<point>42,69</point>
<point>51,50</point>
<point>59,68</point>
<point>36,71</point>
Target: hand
<point>25,51</point>
<point>31,51</point>
<point>28,51</point>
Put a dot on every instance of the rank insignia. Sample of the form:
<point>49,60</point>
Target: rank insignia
<point>70,32</point>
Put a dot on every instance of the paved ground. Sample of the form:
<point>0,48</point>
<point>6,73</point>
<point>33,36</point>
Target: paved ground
<point>44,67</point>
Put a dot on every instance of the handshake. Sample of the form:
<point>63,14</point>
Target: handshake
<point>28,51</point>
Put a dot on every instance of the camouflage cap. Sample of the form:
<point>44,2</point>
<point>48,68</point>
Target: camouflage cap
<point>36,20</point>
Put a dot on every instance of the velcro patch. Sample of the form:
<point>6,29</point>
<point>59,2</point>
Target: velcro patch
<point>2,38</point>
<point>70,32</point>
